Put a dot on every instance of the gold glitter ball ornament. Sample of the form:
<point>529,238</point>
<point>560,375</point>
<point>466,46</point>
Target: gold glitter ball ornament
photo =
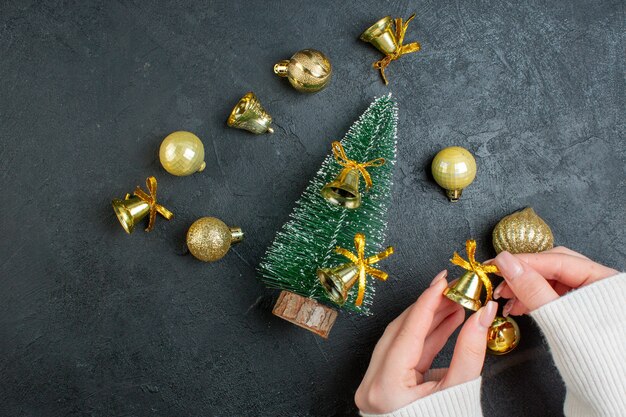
<point>503,336</point>
<point>454,168</point>
<point>182,153</point>
<point>209,239</point>
<point>308,70</point>
<point>522,232</point>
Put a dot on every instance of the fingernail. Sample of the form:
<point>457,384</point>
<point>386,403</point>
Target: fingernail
<point>439,277</point>
<point>486,314</point>
<point>510,267</point>
<point>496,292</point>
<point>507,307</point>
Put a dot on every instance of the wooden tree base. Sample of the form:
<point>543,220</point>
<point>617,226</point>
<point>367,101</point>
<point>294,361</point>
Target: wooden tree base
<point>305,312</point>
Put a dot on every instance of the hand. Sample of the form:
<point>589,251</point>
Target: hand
<point>534,279</point>
<point>399,374</point>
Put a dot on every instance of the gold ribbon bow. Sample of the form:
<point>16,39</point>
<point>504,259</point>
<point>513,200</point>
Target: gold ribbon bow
<point>476,267</point>
<point>151,184</point>
<point>401,50</point>
<point>364,263</point>
<point>350,164</point>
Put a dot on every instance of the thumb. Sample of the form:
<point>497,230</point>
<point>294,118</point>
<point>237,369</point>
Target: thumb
<point>530,288</point>
<point>469,352</point>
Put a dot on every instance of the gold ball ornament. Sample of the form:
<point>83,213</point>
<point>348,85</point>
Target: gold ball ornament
<point>454,168</point>
<point>308,70</point>
<point>503,336</point>
<point>522,232</point>
<point>209,239</point>
<point>182,153</point>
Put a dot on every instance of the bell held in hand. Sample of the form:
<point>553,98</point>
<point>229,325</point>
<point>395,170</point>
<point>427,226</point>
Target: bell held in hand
<point>454,168</point>
<point>131,210</point>
<point>248,114</point>
<point>308,70</point>
<point>182,153</point>
<point>467,289</point>
<point>522,232</point>
<point>503,336</point>
<point>209,238</point>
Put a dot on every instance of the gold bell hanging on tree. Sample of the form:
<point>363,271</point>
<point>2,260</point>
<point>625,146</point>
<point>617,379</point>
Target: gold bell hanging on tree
<point>522,232</point>
<point>503,336</point>
<point>343,191</point>
<point>389,41</point>
<point>454,168</point>
<point>209,238</point>
<point>308,70</point>
<point>250,115</point>
<point>467,289</point>
<point>182,153</point>
<point>339,280</point>
<point>131,210</point>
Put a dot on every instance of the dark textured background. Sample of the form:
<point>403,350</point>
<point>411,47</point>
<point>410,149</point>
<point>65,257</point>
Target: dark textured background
<point>95,322</point>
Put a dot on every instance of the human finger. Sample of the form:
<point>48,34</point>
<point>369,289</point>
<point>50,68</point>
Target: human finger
<point>406,348</point>
<point>573,271</point>
<point>469,353</point>
<point>438,338</point>
<point>528,285</point>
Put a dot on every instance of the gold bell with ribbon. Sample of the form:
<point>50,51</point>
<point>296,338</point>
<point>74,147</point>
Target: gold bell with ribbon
<point>132,209</point>
<point>248,114</point>
<point>343,191</point>
<point>467,289</point>
<point>338,281</point>
<point>389,41</point>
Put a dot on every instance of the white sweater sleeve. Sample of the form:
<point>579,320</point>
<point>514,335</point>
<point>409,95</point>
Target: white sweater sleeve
<point>458,401</point>
<point>586,332</point>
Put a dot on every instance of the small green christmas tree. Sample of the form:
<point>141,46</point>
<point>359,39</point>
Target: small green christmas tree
<point>308,240</point>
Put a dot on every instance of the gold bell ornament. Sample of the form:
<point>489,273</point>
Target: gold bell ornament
<point>389,41</point>
<point>132,209</point>
<point>209,239</point>
<point>250,115</point>
<point>522,232</point>
<point>308,70</point>
<point>343,191</point>
<point>454,168</point>
<point>503,336</point>
<point>182,153</point>
<point>467,289</point>
<point>339,280</point>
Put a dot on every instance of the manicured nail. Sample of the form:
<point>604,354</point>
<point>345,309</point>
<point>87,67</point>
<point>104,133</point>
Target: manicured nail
<point>507,307</point>
<point>487,313</point>
<point>498,290</point>
<point>510,267</point>
<point>439,277</point>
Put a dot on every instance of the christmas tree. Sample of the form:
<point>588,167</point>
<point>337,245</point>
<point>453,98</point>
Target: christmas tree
<point>316,227</point>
